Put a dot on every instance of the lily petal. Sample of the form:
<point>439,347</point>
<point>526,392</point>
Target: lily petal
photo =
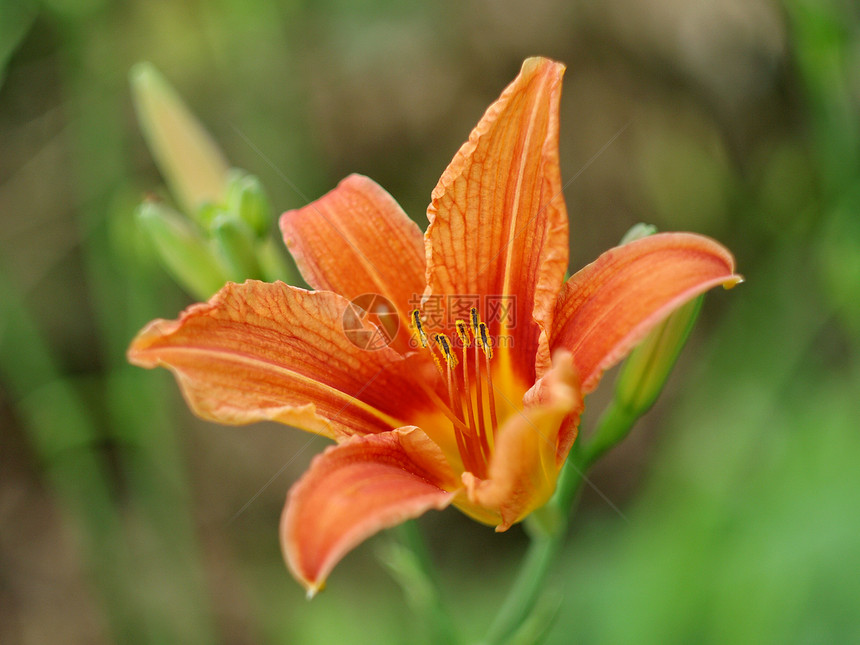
<point>524,467</point>
<point>498,223</point>
<point>357,240</point>
<point>607,307</point>
<point>259,351</point>
<point>353,490</point>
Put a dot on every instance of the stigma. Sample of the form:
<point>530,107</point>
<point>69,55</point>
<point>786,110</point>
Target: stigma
<point>463,362</point>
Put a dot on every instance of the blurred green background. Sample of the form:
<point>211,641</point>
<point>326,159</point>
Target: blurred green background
<point>734,510</point>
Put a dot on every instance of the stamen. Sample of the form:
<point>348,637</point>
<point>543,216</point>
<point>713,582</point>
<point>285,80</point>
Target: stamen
<point>453,389</point>
<point>482,429</point>
<point>416,324</point>
<point>443,342</point>
<point>455,399</point>
<point>473,439</point>
<point>485,340</point>
<point>442,405</point>
<point>446,408</point>
<point>463,334</point>
<point>488,354</point>
<point>415,317</point>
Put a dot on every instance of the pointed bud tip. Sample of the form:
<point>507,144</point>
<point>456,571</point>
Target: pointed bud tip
<point>637,232</point>
<point>189,160</point>
<point>143,73</point>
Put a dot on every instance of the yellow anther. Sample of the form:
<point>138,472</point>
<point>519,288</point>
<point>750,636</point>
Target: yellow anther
<point>416,323</point>
<point>462,332</point>
<point>473,316</point>
<point>445,345</point>
<point>484,335</point>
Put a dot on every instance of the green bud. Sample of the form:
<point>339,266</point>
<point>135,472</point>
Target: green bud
<point>637,232</point>
<point>273,261</point>
<point>645,371</point>
<point>245,196</point>
<point>184,254</point>
<point>207,214</point>
<point>647,368</point>
<point>235,246</point>
<point>190,162</point>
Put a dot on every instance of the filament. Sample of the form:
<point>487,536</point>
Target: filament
<point>472,435</point>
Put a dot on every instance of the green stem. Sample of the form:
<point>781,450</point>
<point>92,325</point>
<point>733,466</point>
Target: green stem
<point>614,425</point>
<point>526,589</point>
<point>544,547</point>
<point>417,578</point>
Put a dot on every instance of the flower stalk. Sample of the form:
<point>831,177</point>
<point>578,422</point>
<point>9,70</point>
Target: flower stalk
<point>408,561</point>
<point>640,382</point>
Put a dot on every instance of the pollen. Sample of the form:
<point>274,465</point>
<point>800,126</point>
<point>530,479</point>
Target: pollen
<point>418,327</point>
<point>473,316</point>
<point>445,345</point>
<point>462,332</point>
<point>470,386</point>
<point>485,342</point>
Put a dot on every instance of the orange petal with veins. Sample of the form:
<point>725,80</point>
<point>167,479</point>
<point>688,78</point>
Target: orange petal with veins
<point>259,351</point>
<point>357,240</point>
<point>524,468</point>
<point>498,223</point>
<point>354,490</point>
<point>609,306</point>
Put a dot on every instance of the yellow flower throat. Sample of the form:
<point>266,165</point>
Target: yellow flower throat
<point>466,408</point>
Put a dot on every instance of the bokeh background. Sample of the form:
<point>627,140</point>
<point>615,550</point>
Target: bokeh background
<point>733,513</point>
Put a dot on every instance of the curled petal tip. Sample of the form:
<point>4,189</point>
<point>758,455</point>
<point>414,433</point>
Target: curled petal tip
<point>610,305</point>
<point>534,62</point>
<point>352,491</point>
<point>732,282</point>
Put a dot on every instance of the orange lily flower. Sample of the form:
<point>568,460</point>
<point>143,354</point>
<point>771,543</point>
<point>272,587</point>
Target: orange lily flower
<point>476,400</point>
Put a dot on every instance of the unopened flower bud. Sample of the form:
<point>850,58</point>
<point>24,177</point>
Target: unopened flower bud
<point>647,368</point>
<point>645,371</point>
<point>190,162</point>
<point>637,232</point>
<point>183,252</point>
<point>235,246</point>
<point>246,197</point>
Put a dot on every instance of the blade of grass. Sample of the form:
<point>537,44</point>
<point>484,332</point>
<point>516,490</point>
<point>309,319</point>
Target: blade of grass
<point>171,591</point>
<point>66,441</point>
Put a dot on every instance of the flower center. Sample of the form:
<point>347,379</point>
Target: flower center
<point>471,394</point>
